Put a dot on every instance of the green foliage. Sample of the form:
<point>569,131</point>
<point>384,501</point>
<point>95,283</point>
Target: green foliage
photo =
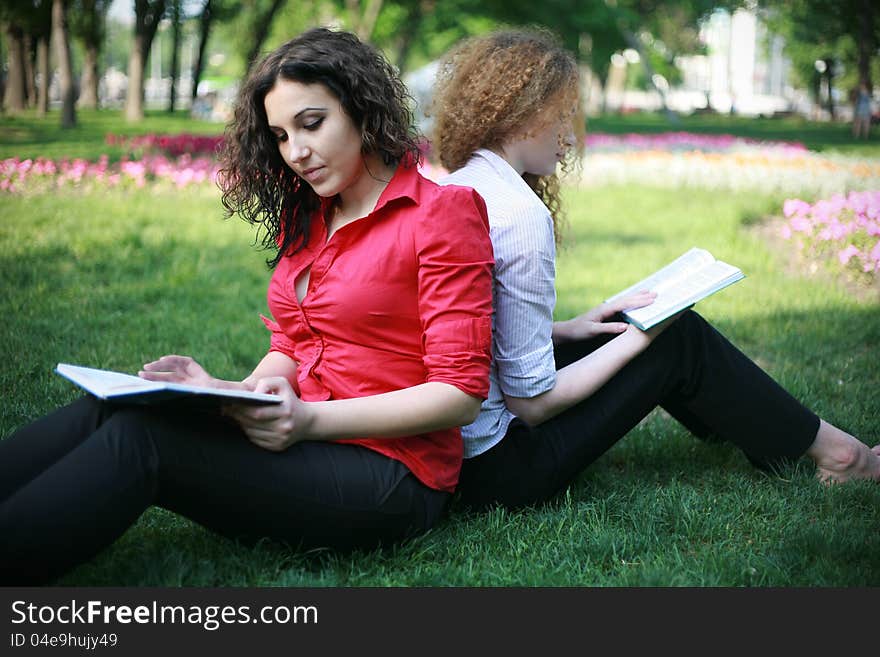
<point>820,29</point>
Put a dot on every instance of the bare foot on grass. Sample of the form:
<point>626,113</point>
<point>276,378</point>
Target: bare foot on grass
<point>840,457</point>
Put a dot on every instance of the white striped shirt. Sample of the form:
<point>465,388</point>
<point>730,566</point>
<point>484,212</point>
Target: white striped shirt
<point>524,293</point>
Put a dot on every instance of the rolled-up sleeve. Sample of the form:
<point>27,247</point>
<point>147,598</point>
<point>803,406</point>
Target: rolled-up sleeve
<point>525,296</point>
<point>279,341</point>
<point>454,254</point>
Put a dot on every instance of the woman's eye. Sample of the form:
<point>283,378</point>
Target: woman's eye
<point>280,136</point>
<point>313,125</point>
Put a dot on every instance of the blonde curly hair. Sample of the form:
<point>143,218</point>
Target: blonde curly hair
<point>505,85</point>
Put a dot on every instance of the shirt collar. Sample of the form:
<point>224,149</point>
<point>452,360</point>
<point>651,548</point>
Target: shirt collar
<point>404,184</point>
<point>504,170</point>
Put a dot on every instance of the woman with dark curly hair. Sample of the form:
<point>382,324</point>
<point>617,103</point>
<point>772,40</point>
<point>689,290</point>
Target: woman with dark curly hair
<point>562,393</point>
<point>379,351</point>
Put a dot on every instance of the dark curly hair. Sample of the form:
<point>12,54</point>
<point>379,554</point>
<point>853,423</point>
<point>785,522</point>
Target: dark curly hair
<point>492,87</point>
<point>256,182</point>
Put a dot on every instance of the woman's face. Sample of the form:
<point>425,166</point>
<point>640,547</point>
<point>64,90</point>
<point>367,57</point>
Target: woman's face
<point>546,146</point>
<point>316,138</point>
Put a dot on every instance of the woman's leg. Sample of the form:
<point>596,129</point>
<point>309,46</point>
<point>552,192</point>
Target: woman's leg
<point>31,449</point>
<point>333,495</point>
<point>690,367</point>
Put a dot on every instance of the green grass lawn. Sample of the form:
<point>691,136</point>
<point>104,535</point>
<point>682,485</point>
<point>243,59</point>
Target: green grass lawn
<point>30,136</point>
<point>118,278</point>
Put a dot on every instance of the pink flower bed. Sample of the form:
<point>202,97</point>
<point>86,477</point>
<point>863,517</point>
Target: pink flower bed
<point>685,141</point>
<point>844,229</point>
<point>170,145</point>
<point>19,176</point>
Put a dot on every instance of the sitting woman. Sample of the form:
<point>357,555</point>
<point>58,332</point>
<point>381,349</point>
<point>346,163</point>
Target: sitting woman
<point>562,393</point>
<point>380,344</point>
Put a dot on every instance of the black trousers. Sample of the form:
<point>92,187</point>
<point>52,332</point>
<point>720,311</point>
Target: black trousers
<point>690,370</point>
<point>75,480</point>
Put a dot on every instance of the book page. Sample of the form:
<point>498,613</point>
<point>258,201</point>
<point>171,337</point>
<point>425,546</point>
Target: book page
<point>675,295</point>
<point>108,384</point>
<point>668,276</point>
<point>105,382</point>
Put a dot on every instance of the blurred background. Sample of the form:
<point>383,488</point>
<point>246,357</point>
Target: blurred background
<point>755,59</point>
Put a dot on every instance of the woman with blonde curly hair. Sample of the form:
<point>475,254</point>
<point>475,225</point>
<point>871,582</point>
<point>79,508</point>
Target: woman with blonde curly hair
<point>379,348</point>
<point>562,393</point>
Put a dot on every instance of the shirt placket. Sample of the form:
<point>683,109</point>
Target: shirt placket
<point>319,269</point>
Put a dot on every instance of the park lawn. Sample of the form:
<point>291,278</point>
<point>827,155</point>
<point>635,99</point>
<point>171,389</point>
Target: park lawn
<point>30,136</point>
<point>118,278</point>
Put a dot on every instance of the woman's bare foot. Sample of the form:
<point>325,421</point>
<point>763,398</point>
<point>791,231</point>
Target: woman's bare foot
<point>840,457</point>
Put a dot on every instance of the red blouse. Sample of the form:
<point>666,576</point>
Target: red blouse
<point>395,299</point>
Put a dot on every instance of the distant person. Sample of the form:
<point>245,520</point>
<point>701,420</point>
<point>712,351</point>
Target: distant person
<point>563,392</point>
<point>380,344</point>
<point>862,112</point>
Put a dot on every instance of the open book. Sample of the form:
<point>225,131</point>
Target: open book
<point>679,285</point>
<point>116,386</point>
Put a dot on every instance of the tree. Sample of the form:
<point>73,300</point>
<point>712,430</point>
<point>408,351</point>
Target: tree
<point>260,17</point>
<point>818,30</point>
<point>43,73</point>
<point>15,94</point>
<point>88,25</point>
<point>147,13</point>
<point>362,16</point>
<point>206,18</point>
<point>61,39</point>
<point>35,18</point>
<point>176,15</point>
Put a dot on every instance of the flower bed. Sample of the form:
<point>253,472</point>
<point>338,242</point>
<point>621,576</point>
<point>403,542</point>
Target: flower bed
<point>169,145</point>
<point>40,175</point>
<point>723,162</point>
<point>842,231</point>
<point>597,142</point>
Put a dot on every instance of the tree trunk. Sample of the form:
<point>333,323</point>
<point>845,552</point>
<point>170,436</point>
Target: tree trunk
<point>147,16</point>
<point>261,31</point>
<point>14,94</point>
<point>363,23</point>
<point>65,69</point>
<point>88,96</point>
<point>175,48</point>
<point>204,32</point>
<point>30,54</point>
<point>42,75</point>
<point>134,96</point>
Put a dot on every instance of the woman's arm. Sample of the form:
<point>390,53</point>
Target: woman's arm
<point>595,322</point>
<point>582,378</point>
<point>410,411</point>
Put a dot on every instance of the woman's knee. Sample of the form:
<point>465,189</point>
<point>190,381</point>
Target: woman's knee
<point>129,437</point>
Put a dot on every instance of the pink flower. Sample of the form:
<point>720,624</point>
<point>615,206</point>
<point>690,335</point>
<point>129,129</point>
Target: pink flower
<point>801,224</point>
<point>795,206</point>
<point>847,253</point>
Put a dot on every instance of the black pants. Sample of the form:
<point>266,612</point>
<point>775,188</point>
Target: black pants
<point>75,480</point>
<point>690,370</point>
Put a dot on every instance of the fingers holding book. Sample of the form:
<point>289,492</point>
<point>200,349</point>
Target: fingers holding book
<point>177,369</point>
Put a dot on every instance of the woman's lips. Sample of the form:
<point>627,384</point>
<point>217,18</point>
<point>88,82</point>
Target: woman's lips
<point>313,174</point>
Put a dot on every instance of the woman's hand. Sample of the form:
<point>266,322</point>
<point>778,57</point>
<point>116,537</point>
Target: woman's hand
<point>274,427</point>
<point>594,322</point>
<point>178,369</point>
